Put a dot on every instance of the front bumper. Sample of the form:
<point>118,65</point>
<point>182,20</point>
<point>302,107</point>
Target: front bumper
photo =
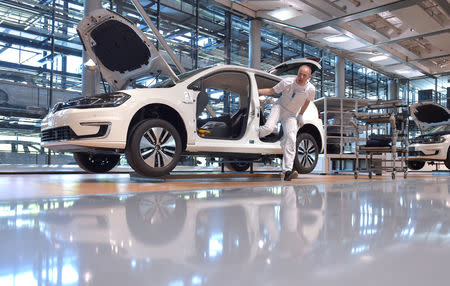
<point>431,152</point>
<point>70,129</point>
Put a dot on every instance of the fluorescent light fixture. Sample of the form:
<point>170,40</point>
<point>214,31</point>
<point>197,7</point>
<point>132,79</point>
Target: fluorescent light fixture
<point>378,58</point>
<point>133,15</point>
<point>181,38</point>
<point>284,13</point>
<point>403,71</point>
<point>337,38</point>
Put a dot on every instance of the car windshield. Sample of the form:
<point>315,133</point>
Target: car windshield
<point>182,77</point>
<point>440,128</point>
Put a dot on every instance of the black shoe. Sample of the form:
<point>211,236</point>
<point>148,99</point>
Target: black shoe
<point>289,175</point>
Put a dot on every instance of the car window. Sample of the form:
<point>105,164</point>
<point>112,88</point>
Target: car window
<point>441,128</point>
<point>227,93</point>
<point>222,104</point>
<point>287,70</point>
<point>265,82</point>
<point>266,101</point>
<point>182,77</point>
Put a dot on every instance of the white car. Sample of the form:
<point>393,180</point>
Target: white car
<point>212,111</point>
<point>434,144</point>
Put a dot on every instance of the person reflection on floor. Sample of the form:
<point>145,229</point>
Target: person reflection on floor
<point>292,243</point>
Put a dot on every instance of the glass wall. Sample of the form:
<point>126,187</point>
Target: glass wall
<point>327,75</point>
<point>199,34</point>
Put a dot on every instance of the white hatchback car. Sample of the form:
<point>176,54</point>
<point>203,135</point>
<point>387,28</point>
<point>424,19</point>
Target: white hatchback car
<point>434,144</point>
<point>212,111</point>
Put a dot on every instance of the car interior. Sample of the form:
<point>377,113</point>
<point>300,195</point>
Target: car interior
<point>230,92</point>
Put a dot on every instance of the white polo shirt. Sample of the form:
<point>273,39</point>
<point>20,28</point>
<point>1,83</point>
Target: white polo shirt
<point>293,96</point>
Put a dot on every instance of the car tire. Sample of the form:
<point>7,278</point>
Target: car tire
<point>154,148</point>
<point>415,165</point>
<point>237,166</point>
<point>155,218</point>
<point>96,163</point>
<point>447,161</point>
<point>307,153</point>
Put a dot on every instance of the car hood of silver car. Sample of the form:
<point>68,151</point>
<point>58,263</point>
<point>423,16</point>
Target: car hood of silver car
<point>428,115</point>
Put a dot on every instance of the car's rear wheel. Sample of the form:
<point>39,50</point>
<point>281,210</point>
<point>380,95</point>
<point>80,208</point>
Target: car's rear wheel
<point>307,153</point>
<point>96,163</point>
<point>447,161</point>
<point>416,165</point>
<point>154,148</point>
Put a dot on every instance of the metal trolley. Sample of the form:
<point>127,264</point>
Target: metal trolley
<point>386,133</point>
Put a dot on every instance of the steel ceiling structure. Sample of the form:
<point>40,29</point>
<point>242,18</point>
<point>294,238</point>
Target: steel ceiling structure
<point>412,35</point>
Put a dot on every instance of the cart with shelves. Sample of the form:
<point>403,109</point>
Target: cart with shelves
<point>386,134</point>
<point>339,147</point>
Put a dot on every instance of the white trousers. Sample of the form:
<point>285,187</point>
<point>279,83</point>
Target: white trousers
<point>289,123</point>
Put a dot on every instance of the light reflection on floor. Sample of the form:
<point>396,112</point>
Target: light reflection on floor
<point>371,232</point>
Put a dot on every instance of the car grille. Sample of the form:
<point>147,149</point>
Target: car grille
<point>413,153</point>
<point>66,133</point>
<point>416,153</point>
<point>58,134</point>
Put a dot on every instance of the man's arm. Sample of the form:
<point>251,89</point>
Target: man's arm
<point>304,107</point>
<point>300,121</point>
<point>266,91</point>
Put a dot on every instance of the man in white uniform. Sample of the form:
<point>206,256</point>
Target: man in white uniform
<point>296,95</point>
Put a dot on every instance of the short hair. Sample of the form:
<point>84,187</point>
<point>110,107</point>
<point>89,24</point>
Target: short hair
<point>309,68</point>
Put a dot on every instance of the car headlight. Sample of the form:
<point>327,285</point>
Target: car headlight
<point>428,140</point>
<point>97,101</point>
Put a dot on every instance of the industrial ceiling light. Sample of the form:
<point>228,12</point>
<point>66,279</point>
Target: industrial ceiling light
<point>285,13</point>
<point>403,71</point>
<point>378,58</point>
<point>337,38</point>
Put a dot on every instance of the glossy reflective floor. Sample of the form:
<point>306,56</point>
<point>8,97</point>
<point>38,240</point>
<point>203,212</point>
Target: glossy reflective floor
<point>318,230</point>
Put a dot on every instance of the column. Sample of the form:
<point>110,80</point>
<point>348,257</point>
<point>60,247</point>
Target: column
<point>89,77</point>
<point>393,89</point>
<point>254,49</point>
<point>339,77</point>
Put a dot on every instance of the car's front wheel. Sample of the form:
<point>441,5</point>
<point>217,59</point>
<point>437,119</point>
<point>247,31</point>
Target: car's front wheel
<point>447,161</point>
<point>416,165</point>
<point>96,163</point>
<point>307,153</point>
<point>154,148</point>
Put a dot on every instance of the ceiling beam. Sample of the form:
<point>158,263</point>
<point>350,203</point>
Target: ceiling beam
<point>429,58</point>
<point>355,16</point>
<point>398,40</point>
<point>444,5</point>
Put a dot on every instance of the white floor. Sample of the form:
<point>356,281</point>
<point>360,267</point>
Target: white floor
<point>365,232</point>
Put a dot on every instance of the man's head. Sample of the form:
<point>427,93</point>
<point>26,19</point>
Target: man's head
<point>304,73</point>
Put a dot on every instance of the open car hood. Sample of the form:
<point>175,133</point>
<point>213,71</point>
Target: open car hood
<point>290,68</point>
<point>121,50</point>
<point>429,114</point>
